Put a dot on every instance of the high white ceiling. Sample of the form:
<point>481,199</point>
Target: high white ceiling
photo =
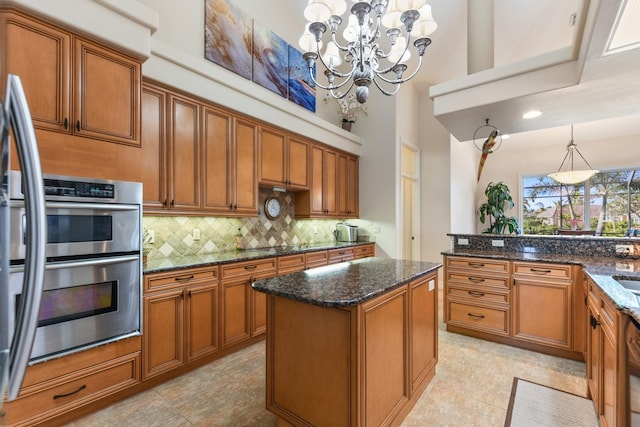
<point>607,96</point>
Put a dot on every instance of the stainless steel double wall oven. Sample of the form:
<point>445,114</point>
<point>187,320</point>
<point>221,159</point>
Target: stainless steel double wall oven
<point>93,273</point>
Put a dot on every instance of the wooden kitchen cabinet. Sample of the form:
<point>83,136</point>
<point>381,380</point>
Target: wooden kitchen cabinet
<point>243,310</point>
<point>542,303</point>
<point>180,318</point>
<point>526,304</point>
<point>230,161</point>
<point>340,255</point>
<point>183,146</point>
<point>284,159</point>
<point>605,375</point>
<point>348,199</point>
<point>198,159</point>
<point>56,387</point>
<point>423,328</point>
<point>291,263</point>
<point>364,251</point>
<point>321,199</point>
<point>73,85</point>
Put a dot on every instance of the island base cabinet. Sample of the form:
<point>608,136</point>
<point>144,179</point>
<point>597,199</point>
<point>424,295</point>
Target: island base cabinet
<point>364,365</point>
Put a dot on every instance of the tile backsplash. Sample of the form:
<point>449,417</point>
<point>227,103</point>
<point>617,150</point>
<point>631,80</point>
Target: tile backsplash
<point>174,236</point>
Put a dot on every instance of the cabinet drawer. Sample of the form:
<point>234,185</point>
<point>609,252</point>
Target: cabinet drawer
<point>478,280</point>
<point>290,263</point>
<point>248,268</point>
<point>556,271</point>
<point>74,390</point>
<point>363,251</point>
<point>316,259</point>
<point>339,255</point>
<point>161,281</point>
<point>494,320</point>
<point>475,294</point>
<point>478,264</point>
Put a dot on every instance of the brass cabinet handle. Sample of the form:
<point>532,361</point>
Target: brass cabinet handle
<point>183,278</point>
<point>476,316</point>
<point>60,396</point>
<point>475,279</point>
<point>537,270</point>
<point>476,293</point>
<point>250,267</point>
<point>476,264</point>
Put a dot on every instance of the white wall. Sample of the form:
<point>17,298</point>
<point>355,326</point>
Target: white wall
<point>462,175</point>
<point>435,185</point>
<point>510,164</point>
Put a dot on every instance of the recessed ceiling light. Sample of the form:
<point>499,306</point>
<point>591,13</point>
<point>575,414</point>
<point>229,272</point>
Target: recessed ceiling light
<point>532,114</point>
<point>506,136</point>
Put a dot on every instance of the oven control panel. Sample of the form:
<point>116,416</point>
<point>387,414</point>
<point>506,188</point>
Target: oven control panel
<point>57,187</point>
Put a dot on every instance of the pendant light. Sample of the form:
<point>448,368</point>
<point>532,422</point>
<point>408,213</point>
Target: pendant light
<point>572,176</point>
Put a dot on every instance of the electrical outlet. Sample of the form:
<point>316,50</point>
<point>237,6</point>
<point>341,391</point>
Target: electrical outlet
<point>497,243</point>
<point>152,237</point>
<point>432,285</point>
<point>463,241</point>
<point>196,234</point>
<point>624,250</point>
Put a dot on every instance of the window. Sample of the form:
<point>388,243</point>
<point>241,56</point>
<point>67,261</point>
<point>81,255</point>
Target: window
<point>601,205</point>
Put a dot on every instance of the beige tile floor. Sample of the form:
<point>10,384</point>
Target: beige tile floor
<point>471,388</point>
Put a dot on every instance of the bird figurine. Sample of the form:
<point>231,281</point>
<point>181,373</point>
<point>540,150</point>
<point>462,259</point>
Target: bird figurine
<point>487,148</point>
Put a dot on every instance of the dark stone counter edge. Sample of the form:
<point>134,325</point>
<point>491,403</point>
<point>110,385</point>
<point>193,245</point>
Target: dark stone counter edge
<point>601,269</point>
<point>167,264</point>
<point>343,303</point>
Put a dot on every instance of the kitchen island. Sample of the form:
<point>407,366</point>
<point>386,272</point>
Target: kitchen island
<point>351,344</point>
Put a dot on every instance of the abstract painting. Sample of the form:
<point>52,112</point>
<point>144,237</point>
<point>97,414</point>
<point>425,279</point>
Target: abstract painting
<point>302,90</point>
<point>270,60</point>
<point>228,37</point>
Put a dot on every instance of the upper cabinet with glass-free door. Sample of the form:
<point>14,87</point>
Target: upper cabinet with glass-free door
<point>284,159</point>
<point>72,85</point>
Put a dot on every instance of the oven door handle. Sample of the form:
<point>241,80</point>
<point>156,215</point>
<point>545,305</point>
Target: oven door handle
<point>33,282</point>
<point>91,262</point>
<point>92,206</point>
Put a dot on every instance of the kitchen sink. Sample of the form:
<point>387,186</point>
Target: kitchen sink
<point>632,285</point>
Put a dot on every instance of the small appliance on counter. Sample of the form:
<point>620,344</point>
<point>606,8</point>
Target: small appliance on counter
<point>346,232</point>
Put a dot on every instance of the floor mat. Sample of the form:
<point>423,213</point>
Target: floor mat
<point>533,404</point>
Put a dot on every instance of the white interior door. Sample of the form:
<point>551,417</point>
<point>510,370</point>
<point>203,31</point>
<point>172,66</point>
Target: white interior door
<point>410,208</point>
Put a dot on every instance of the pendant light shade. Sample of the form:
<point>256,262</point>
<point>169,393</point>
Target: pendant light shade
<point>570,175</point>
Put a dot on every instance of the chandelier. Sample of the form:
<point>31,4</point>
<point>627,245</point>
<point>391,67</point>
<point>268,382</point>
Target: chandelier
<point>572,176</point>
<point>365,59</point>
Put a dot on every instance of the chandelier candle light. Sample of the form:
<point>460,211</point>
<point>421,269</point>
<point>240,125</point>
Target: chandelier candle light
<point>571,176</point>
<point>365,59</point>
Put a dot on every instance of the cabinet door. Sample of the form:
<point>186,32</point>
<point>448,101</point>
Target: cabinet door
<point>236,314</point>
<point>542,312</point>
<point>40,55</point>
<point>423,328</point>
<point>330,188</point>
<point>272,157</point>
<point>153,150</point>
<point>594,343</point>
<point>184,158</point>
<point>317,181</point>
<point>342,185</point>
<point>298,164</point>
<point>106,94</point>
<point>353,187</point>
<point>217,156</point>
<point>202,320</point>
<point>246,179</point>
<point>609,378</point>
<point>259,306</point>
<point>163,337</point>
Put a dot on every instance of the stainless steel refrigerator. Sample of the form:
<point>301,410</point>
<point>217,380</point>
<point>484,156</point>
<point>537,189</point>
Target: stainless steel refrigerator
<point>15,345</point>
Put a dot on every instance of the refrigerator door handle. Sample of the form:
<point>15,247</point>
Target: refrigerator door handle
<point>35,259</point>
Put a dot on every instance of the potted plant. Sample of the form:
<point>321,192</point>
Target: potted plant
<point>347,108</point>
<point>497,196</point>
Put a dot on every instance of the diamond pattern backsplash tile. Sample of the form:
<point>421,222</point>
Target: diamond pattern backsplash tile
<point>174,236</point>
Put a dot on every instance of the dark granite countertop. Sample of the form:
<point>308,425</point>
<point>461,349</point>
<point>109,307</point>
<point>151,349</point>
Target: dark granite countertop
<point>158,265</point>
<point>345,284</point>
<point>603,271</point>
